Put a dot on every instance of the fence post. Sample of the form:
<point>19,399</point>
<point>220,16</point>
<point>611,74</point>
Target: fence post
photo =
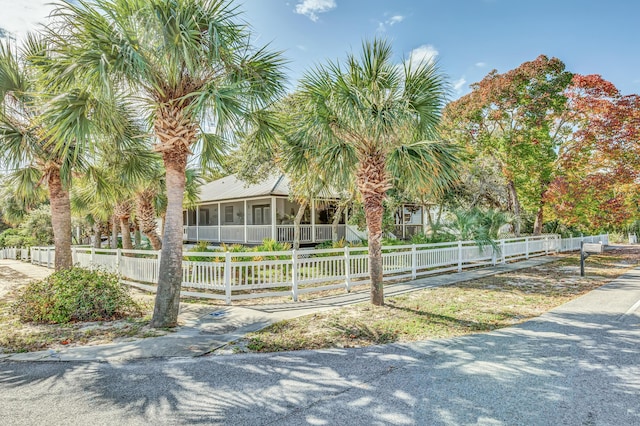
<point>526,247</point>
<point>494,256</point>
<point>91,257</point>
<point>159,261</point>
<point>459,256</point>
<point>48,257</point>
<point>546,245</point>
<point>227,277</point>
<point>294,275</point>
<point>503,248</point>
<point>347,269</point>
<point>74,255</point>
<point>414,262</point>
<point>118,254</point>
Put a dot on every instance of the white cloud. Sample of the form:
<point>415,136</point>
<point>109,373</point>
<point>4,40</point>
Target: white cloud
<point>396,19</point>
<point>425,53</point>
<point>18,18</point>
<point>459,84</point>
<point>481,64</point>
<point>311,8</point>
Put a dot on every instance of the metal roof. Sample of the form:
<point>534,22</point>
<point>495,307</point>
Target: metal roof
<point>232,188</point>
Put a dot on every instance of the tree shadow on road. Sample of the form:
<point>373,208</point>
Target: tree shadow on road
<point>564,368</point>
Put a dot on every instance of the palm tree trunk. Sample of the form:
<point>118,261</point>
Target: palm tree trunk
<point>137,236</point>
<point>167,303</point>
<point>60,220</point>
<point>146,213</point>
<point>373,184</point>
<point>296,224</point>
<point>97,234</point>
<point>114,232</point>
<point>125,230</point>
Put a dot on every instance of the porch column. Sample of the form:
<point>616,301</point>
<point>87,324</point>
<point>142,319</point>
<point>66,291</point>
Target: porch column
<point>245,221</point>
<point>274,235</point>
<point>198,223</point>
<point>424,219</point>
<point>219,224</point>
<point>313,220</point>
<point>403,223</point>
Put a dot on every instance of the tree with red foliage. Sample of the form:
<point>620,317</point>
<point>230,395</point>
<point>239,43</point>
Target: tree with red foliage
<point>599,181</point>
<point>516,119</point>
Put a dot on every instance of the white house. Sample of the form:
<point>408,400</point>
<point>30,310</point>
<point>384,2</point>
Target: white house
<point>233,211</point>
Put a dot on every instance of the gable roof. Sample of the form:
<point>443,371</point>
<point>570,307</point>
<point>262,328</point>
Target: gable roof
<point>232,188</point>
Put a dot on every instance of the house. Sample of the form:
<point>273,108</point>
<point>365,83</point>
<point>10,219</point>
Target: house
<point>233,211</point>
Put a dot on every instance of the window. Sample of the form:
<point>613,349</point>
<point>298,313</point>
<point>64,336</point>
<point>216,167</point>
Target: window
<point>228,214</point>
<point>261,215</point>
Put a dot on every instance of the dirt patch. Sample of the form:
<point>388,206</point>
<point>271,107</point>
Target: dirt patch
<point>10,279</point>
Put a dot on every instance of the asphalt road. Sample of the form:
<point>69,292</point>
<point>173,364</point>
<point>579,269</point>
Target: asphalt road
<point>578,365</point>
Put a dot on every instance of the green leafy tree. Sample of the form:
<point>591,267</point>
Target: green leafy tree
<point>517,120</point>
<point>45,129</point>
<point>369,121</point>
<point>192,66</point>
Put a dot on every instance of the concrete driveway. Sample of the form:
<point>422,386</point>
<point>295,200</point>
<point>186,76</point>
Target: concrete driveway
<point>577,365</point>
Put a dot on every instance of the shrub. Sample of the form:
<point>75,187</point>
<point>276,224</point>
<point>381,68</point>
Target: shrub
<point>201,247</point>
<point>75,294</point>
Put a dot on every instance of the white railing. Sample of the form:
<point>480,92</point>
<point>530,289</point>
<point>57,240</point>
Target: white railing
<point>285,233</point>
<point>257,233</point>
<point>232,233</point>
<point>232,276</point>
<point>43,256</point>
<point>10,253</point>
<point>209,233</point>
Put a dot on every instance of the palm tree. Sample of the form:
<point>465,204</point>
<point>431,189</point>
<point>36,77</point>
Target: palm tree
<point>45,128</point>
<point>191,64</point>
<point>371,121</point>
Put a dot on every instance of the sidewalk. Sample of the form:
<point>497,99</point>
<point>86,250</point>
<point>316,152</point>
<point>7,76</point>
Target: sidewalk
<point>205,330</point>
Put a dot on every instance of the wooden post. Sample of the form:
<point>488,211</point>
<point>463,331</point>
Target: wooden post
<point>198,223</point>
<point>245,221</point>
<point>227,278</point>
<point>582,258</point>
<point>459,256</point>
<point>274,235</point>
<point>313,220</point>
<point>347,269</point>
<point>118,254</point>
<point>414,262</point>
<point>294,275</point>
<point>526,247</point>
<point>219,225</point>
<point>503,247</point>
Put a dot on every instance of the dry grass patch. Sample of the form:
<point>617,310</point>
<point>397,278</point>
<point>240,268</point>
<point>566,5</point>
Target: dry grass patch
<point>464,308</point>
<point>18,336</point>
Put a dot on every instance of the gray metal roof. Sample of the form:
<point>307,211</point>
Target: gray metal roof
<point>232,188</point>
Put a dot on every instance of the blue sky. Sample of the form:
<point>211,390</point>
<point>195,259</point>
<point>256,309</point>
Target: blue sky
<point>469,38</point>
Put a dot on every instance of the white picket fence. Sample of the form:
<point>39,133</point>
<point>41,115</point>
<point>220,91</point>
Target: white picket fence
<point>14,253</point>
<point>233,276</point>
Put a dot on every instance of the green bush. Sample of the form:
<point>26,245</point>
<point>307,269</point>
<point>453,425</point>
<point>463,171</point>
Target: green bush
<point>201,247</point>
<point>75,294</point>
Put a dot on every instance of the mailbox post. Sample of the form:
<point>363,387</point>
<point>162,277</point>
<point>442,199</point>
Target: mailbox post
<point>585,250</point>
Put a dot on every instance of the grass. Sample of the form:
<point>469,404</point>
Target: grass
<point>470,307</point>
